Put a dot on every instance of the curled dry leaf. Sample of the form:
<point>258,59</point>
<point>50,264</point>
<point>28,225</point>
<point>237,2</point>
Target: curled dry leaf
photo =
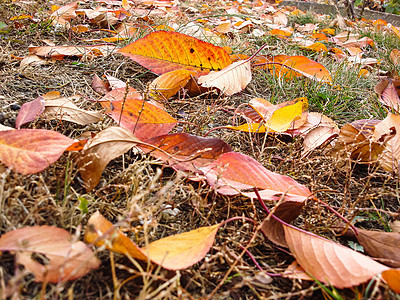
<point>99,151</point>
<point>230,80</point>
<point>30,151</point>
<point>387,93</point>
<point>184,151</point>
<point>142,118</point>
<point>65,259</point>
<point>355,141</point>
<point>65,13</point>
<point>174,252</point>
<point>329,262</point>
<point>165,51</point>
<point>387,132</point>
<point>384,246</point>
<point>392,278</point>
<point>168,84</point>
<point>234,173</point>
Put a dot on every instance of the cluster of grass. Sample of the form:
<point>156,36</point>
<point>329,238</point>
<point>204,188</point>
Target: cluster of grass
<point>162,202</point>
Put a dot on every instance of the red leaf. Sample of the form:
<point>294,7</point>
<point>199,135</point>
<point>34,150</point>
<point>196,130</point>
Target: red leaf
<point>30,111</point>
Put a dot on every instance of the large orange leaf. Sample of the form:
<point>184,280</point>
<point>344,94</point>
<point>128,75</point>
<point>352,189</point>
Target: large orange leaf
<point>329,262</point>
<point>174,252</point>
<point>30,151</point>
<point>184,151</point>
<point>230,80</point>
<point>66,259</point>
<point>165,51</point>
<point>138,116</point>
<point>98,152</point>
<point>233,173</point>
<point>296,66</point>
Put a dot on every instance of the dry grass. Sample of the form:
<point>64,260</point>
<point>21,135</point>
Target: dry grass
<point>148,192</point>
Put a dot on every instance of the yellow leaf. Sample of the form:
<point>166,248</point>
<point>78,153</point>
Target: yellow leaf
<point>168,84</point>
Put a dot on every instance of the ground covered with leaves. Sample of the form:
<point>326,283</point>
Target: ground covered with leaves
<point>259,119</point>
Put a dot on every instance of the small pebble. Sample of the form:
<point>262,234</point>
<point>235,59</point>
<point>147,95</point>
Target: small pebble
<point>15,106</point>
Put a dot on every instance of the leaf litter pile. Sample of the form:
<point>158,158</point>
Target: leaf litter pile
<point>172,149</point>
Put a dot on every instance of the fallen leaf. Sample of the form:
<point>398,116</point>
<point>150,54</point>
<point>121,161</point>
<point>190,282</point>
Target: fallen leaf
<point>59,52</point>
<point>234,173</point>
<point>174,252</point>
<point>295,66</point>
<point>32,60</point>
<point>30,111</point>
<point>30,151</point>
<point>168,84</point>
<point>184,151</point>
<point>329,262</point>
<point>145,120</point>
<point>390,156</point>
<point>64,14</point>
<point>230,80</point>
<point>99,151</point>
<point>395,57</point>
<point>387,93</point>
<point>384,246</point>
<point>392,278</point>
<point>295,271</point>
<point>165,51</point>
<point>65,259</point>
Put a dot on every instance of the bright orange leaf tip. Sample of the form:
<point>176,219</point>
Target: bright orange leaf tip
<point>392,278</point>
<point>165,51</point>
<point>67,260</point>
<point>174,252</point>
<point>30,151</point>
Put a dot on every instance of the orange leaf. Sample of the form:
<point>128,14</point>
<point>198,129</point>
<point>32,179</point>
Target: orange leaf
<point>329,262</point>
<point>66,259</point>
<point>392,278</point>
<point>183,151</point>
<point>142,118</point>
<point>165,51</point>
<point>317,47</point>
<point>174,252</point>
<point>234,173</point>
<point>295,66</point>
<point>30,151</point>
<point>230,80</point>
<point>168,84</point>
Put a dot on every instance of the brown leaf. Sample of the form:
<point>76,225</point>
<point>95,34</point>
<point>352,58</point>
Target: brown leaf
<point>165,51</point>
<point>329,262</point>
<point>388,94</point>
<point>384,246</point>
<point>388,132</point>
<point>65,259</point>
<point>230,80</point>
<point>30,151</point>
<point>98,152</point>
<point>30,111</point>
<point>184,151</point>
<point>99,86</point>
<point>59,52</point>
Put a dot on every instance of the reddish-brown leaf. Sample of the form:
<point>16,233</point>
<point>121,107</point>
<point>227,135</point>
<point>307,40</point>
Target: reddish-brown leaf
<point>184,151</point>
<point>138,116</point>
<point>30,151</point>
<point>388,94</point>
<point>67,259</point>
<point>233,173</point>
<point>329,262</point>
<point>165,51</point>
<point>30,111</point>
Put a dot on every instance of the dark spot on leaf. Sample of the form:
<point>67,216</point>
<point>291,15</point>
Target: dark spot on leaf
<point>219,69</point>
<point>131,114</point>
<point>191,50</point>
<point>111,106</point>
<point>176,148</point>
<point>209,58</point>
